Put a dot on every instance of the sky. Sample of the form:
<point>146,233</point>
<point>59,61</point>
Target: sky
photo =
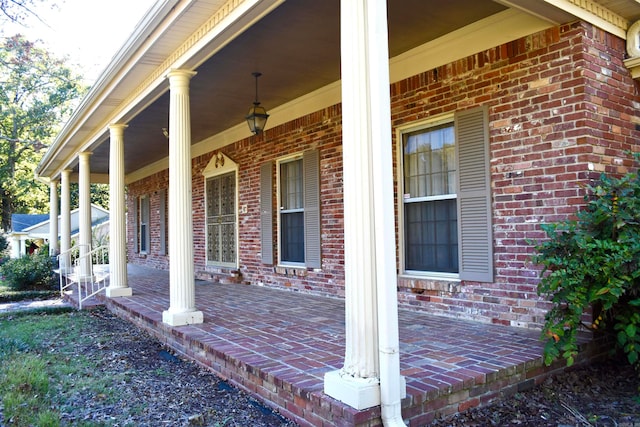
<point>89,32</point>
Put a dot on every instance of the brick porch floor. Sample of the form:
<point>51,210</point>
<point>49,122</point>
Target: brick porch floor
<point>277,345</point>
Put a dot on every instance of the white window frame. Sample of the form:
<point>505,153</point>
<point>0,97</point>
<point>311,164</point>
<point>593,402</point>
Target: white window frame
<point>144,241</point>
<point>400,132</point>
<point>220,164</point>
<point>279,162</point>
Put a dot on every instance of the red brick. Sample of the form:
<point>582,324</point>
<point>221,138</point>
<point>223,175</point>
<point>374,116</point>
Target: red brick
<point>575,120</point>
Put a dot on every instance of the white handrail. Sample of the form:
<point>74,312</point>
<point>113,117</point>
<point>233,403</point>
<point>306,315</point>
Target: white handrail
<point>94,281</point>
<point>66,261</point>
<point>89,270</point>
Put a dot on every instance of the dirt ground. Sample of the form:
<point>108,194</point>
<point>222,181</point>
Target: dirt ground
<point>598,395</point>
<point>163,390</point>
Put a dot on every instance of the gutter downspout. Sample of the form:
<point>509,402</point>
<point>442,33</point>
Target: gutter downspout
<point>391,383</point>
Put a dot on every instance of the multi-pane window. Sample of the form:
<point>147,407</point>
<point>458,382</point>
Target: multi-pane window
<point>430,211</point>
<point>292,212</point>
<point>221,219</point>
<point>144,224</point>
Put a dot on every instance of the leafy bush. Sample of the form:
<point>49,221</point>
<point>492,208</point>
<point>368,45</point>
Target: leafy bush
<point>593,262</point>
<point>31,272</point>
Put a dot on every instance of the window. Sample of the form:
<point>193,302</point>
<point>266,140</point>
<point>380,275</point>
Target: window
<point>447,199</point>
<point>291,212</point>
<point>298,196</point>
<point>220,205</point>
<point>431,238</point>
<point>162,211</point>
<point>144,224</point>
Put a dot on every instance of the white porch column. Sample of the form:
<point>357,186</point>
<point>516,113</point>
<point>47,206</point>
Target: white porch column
<point>84,212</point>
<point>53,217</point>
<point>118,285</point>
<point>65,220</point>
<point>15,246</point>
<point>369,221</point>
<point>182,310</point>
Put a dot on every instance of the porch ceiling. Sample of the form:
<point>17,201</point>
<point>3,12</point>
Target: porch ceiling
<point>296,47</point>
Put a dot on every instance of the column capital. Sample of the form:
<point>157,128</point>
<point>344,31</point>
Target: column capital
<point>85,153</point>
<point>117,126</point>
<point>177,76</point>
<point>174,72</point>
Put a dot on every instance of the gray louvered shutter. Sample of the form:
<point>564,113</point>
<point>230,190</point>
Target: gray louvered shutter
<point>134,220</point>
<point>162,195</point>
<point>311,168</point>
<point>266,212</point>
<point>474,195</point>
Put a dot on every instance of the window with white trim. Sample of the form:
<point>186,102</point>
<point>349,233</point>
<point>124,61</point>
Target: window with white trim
<point>446,206</point>
<point>145,238</point>
<point>298,216</point>
<point>430,217</point>
<point>291,211</point>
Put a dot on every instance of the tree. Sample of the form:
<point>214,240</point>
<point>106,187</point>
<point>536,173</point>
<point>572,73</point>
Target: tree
<point>99,194</point>
<point>18,10</point>
<point>37,92</point>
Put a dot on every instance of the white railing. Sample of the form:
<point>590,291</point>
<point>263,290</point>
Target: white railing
<point>88,269</point>
<point>66,270</point>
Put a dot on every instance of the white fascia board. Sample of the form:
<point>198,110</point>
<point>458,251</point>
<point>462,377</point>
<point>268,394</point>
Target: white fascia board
<point>154,16</point>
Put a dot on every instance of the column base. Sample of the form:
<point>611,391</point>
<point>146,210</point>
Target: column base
<point>182,318</point>
<point>359,393</point>
<point>114,292</point>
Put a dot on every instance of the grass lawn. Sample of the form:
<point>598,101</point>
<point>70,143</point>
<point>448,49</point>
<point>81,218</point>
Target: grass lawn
<point>38,384</point>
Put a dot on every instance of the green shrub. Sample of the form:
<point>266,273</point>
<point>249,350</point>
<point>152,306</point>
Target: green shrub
<point>31,272</point>
<point>593,262</point>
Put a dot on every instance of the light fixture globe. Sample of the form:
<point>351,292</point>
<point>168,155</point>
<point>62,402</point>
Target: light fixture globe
<point>257,117</point>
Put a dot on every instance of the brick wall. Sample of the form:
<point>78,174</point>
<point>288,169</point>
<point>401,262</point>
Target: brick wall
<point>151,187</point>
<point>562,110</point>
<point>320,131</point>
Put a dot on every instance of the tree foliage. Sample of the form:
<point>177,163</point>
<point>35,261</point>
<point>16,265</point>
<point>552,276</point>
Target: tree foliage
<point>37,92</point>
<point>99,194</point>
<point>593,262</point>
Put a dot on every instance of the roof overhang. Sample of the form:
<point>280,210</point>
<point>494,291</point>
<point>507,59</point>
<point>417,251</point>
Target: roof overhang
<point>296,46</point>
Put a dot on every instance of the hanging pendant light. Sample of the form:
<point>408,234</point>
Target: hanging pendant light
<point>257,117</point>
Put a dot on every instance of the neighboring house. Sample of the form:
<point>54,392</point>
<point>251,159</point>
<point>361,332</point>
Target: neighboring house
<point>419,174</point>
<point>35,227</point>
<point>19,234</point>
